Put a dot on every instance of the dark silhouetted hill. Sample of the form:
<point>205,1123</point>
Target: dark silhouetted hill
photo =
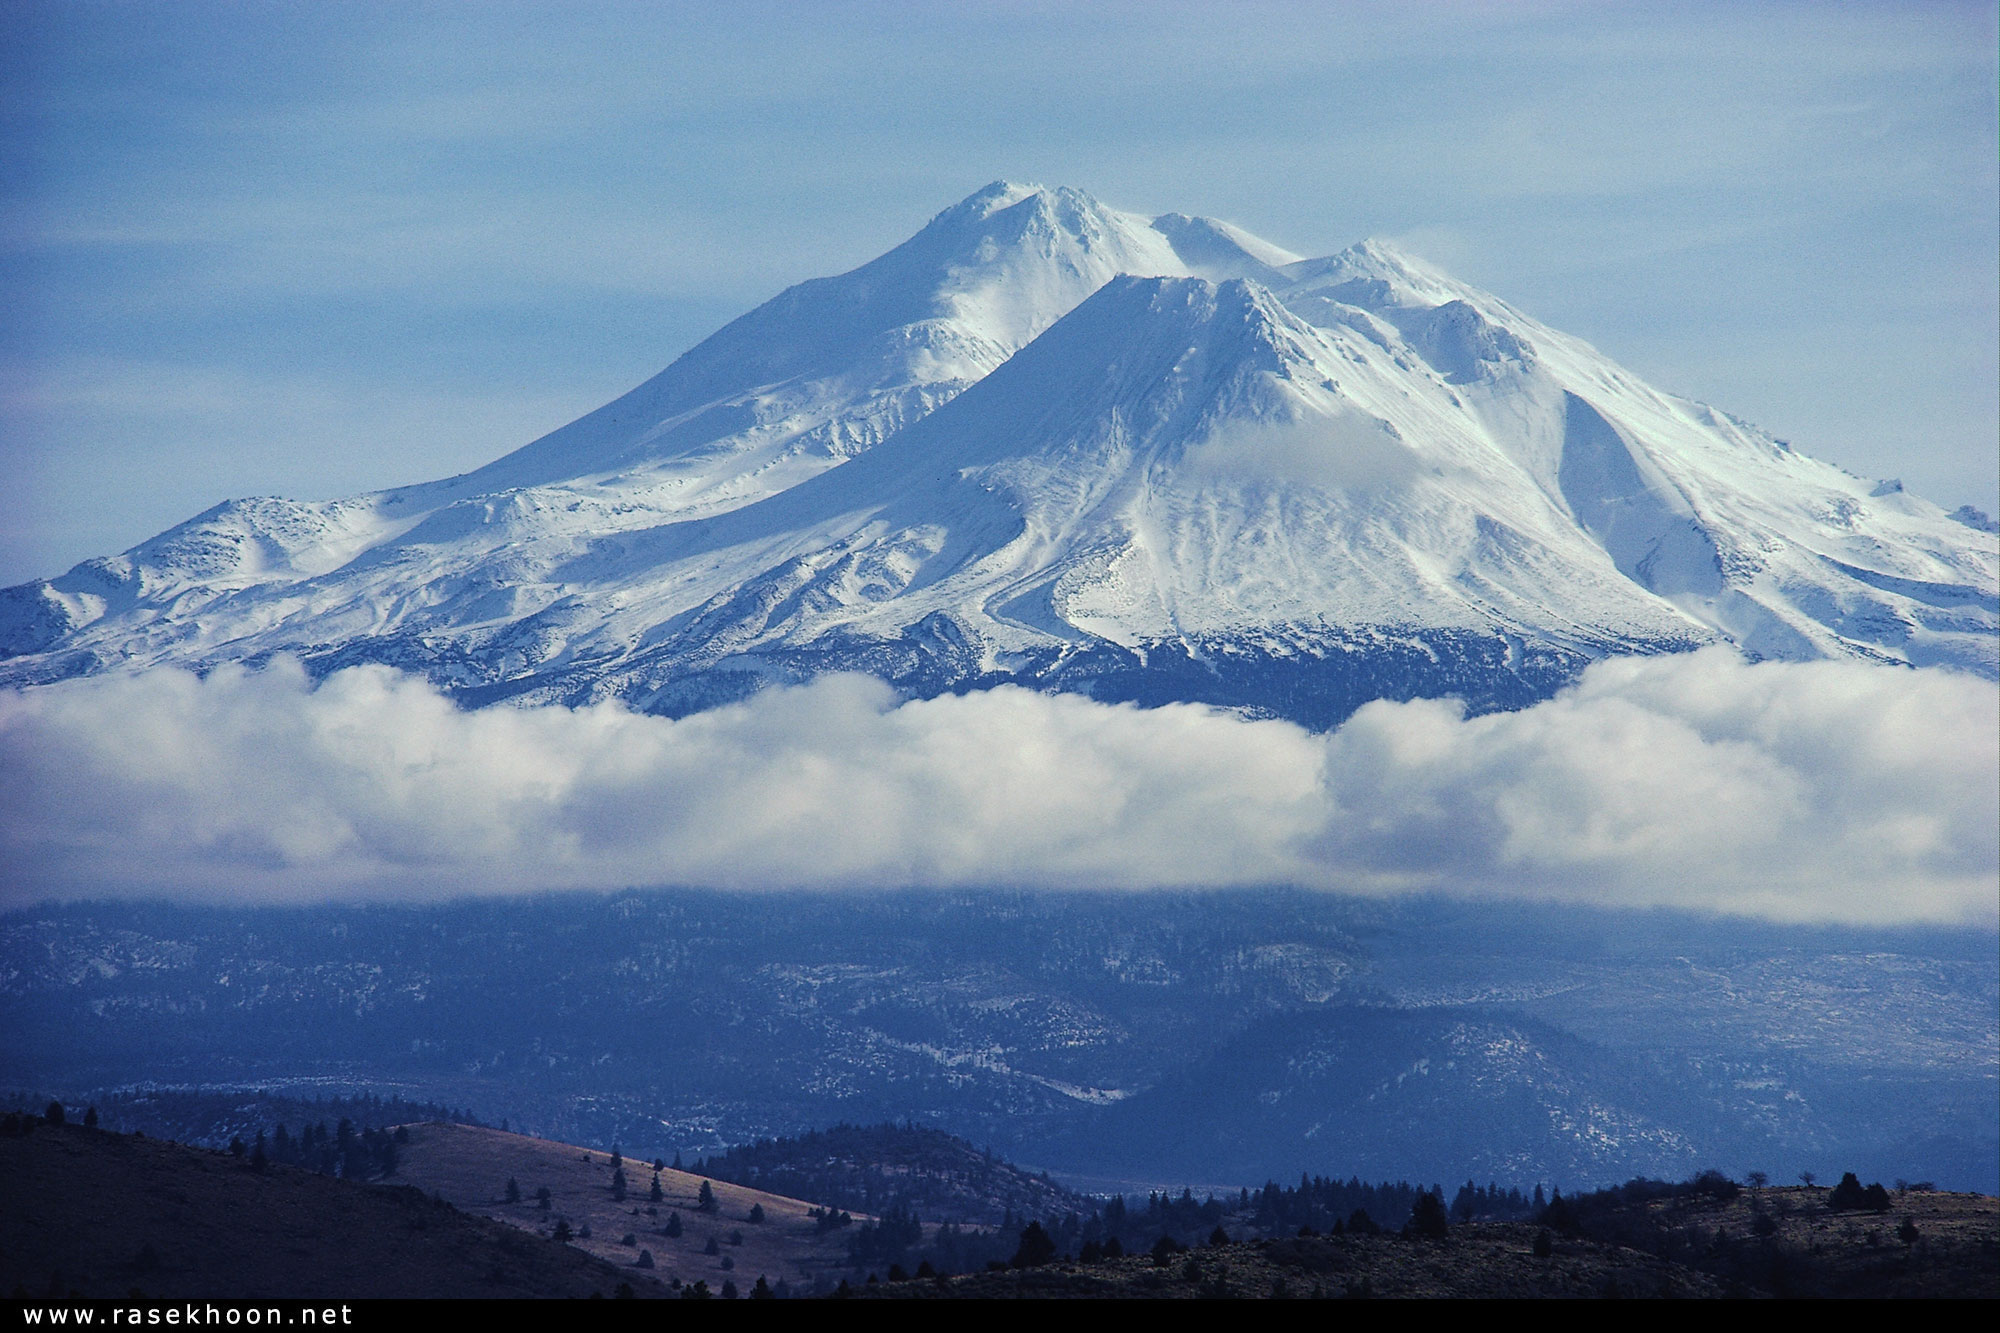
<point>105,1215</point>
<point>874,1168</point>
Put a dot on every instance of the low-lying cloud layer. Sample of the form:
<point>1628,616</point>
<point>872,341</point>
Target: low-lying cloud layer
<point>1815,791</point>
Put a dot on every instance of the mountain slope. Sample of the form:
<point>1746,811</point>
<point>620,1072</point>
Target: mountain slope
<point>1044,441</point>
<point>102,1216</point>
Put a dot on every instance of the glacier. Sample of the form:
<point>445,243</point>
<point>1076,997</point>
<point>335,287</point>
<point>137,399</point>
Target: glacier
<point>1050,443</point>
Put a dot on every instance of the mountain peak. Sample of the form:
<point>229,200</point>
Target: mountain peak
<point>1381,251</point>
<point>1047,441</point>
<point>993,197</point>
<point>978,209</point>
<point>1377,274</point>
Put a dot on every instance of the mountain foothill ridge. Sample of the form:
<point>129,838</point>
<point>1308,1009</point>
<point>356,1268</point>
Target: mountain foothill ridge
<point>1050,443</point>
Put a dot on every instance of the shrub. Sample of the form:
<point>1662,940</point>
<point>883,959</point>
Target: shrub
<point>1849,1196</point>
<point>1716,1186</point>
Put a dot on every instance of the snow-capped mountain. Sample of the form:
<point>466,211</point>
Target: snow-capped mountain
<point>1048,442</point>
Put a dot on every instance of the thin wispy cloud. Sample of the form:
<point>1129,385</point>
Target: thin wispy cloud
<point>589,188</point>
<point>1832,791</point>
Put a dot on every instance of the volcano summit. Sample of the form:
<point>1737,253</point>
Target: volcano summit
<point>1050,443</point>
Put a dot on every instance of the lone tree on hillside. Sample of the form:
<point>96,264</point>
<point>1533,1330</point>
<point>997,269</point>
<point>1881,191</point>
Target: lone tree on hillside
<point>1427,1217</point>
<point>618,1183</point>
<point>706,1200</point>
<point>1559,1216</point>
<point>513,1190</point>
<point>1037,1248</point>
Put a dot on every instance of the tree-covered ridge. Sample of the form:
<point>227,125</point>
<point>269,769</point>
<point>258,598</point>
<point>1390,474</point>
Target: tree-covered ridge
<point>935,1200</point>
<point>877,1169</point>
<point>214,1117</point>
<point>1166,1224</point>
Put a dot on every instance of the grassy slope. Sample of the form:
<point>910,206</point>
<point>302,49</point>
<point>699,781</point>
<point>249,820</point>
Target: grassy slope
<point>470,1167</point>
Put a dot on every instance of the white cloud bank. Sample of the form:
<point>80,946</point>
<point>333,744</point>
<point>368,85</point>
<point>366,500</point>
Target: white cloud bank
<point>1818,791</point>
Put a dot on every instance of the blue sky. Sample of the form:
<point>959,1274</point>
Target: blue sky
<point>310,249</point>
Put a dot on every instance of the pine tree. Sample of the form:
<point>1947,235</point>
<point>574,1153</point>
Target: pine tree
<point>706,1200</point>
<point>1036,1249</point>
<point>513,1190</point>
<point>1559,1216</point>
<point>1427,1216</point>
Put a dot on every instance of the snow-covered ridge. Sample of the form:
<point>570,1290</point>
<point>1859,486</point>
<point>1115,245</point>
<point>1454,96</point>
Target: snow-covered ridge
<point>1051,442</point>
